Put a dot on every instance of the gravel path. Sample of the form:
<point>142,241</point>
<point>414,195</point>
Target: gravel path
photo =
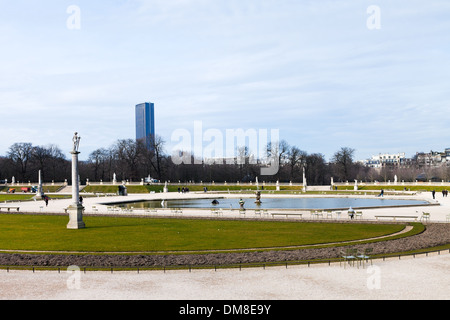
<point>434,235</point>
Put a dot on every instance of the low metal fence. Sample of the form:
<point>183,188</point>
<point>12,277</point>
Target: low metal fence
<point>215,267</point>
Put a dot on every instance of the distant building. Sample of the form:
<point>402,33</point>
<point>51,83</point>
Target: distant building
<point>433,158</point>
<point>421,159</point>
<point>386,159</point>
<point>145,123</point>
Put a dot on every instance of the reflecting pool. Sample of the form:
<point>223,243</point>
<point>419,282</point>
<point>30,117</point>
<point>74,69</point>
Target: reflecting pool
<point>277,203</point>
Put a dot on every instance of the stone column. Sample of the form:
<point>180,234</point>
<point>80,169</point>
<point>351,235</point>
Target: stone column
<point>76,209</point>
<point>40,190</point>
<point>305,185</point>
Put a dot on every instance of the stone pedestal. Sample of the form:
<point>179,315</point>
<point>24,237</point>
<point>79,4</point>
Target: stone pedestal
<point>75,216</point>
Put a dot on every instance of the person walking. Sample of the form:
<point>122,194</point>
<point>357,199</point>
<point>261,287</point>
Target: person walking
<point>433,193</point>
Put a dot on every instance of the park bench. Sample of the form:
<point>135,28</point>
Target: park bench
<point>286,214</point>
<point>217,212</point>
<point>176,211</point>
<point>8,209</point>
<point>398,217</point>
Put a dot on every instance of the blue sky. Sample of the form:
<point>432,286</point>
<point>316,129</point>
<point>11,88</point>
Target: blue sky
<point>312,69</point>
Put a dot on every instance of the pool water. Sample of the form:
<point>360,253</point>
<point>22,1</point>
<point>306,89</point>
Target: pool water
<point>278,203</point>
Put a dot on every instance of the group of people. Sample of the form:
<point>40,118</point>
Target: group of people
<point>444,193</point>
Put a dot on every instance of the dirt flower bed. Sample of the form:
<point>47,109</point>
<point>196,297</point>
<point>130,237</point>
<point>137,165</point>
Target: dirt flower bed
<point>434,235</point>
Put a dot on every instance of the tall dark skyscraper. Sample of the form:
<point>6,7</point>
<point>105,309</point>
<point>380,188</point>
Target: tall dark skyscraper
<point>145,122</point>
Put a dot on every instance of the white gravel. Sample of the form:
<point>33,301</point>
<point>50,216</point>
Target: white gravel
<point>409,278</point>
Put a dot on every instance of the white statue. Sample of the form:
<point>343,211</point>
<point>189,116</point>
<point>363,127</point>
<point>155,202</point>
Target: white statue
<point>76,142</point>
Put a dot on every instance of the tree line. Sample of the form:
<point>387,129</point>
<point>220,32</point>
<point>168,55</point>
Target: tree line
<point>131,160</point>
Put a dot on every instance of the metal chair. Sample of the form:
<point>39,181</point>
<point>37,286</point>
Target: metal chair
<point>425,216</point>
<point>365,255</point>
<point>358,214</point>
<point>349,255</point>
<point>316,214</point>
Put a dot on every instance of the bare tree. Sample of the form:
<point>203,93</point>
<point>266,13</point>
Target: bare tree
<point>152,155</point>
<point>343,163</point>
<point>99,160</point>
<point>295,158</point>
<point>279,150</point>
<point>49,159</point>
<point>127,152</point>
<point>317,172</point>
<point>20,154</point>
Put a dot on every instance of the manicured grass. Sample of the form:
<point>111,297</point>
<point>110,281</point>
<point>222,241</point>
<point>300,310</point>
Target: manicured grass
<point>47,188</point>
<point>192,188</point>
<point>108,234</point>
<point>27,197</point>
<point>422,188</point>
<point>16,197</point>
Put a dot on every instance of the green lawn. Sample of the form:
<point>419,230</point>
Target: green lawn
<point>28,197</point>
<point>16,197</point>
<point>422,188</point>
<point>47,188</point>
<point>192,188</point>
<point>107,234</point>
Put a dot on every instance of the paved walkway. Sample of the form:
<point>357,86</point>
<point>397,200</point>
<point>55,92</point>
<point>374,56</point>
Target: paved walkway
<point>419,278</point>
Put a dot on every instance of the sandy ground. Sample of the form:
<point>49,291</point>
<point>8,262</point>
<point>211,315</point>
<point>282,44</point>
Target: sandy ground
<point>420,278</point>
